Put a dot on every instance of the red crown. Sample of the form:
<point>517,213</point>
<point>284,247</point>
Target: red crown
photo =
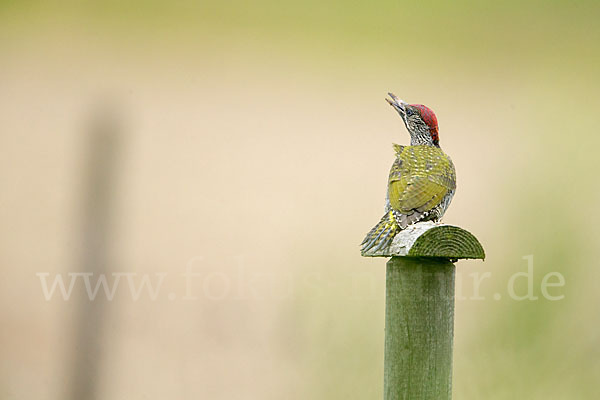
<point>428,116</point>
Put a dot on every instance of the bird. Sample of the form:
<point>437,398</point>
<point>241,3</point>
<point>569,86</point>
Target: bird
<point>421,182</point>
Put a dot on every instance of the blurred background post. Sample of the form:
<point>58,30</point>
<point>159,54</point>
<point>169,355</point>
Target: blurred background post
<point>101,176</point>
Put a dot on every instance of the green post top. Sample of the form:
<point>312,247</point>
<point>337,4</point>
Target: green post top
<point>430,239</point>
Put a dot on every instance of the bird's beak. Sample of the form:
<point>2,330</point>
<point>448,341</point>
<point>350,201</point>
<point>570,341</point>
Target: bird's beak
<point>398,104</point>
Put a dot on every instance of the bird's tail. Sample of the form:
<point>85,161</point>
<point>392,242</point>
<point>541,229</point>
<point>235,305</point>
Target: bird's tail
<point>382,234</point>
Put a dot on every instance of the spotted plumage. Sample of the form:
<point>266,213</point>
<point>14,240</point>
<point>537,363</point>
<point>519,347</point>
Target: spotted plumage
<point>422,179</point>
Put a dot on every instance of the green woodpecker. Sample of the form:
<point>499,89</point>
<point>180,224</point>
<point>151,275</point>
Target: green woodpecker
<point>422,180</point>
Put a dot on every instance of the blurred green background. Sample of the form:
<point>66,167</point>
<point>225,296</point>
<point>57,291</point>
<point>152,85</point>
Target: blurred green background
<point>253,144</point>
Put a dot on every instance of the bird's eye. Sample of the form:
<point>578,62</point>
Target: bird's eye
<point>409,112</point>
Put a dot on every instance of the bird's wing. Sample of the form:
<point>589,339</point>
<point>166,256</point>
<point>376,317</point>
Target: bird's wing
<point>396,170</point>
<point>419,179</point>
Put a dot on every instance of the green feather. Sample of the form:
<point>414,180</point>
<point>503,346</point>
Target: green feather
<point>420,178</point>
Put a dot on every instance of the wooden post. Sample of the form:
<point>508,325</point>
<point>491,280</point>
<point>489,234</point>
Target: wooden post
<point>102,172</point>
<point>419,322</point>
<point>419,312</point>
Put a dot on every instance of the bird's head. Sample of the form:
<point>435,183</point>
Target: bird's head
<point>420,121</point>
